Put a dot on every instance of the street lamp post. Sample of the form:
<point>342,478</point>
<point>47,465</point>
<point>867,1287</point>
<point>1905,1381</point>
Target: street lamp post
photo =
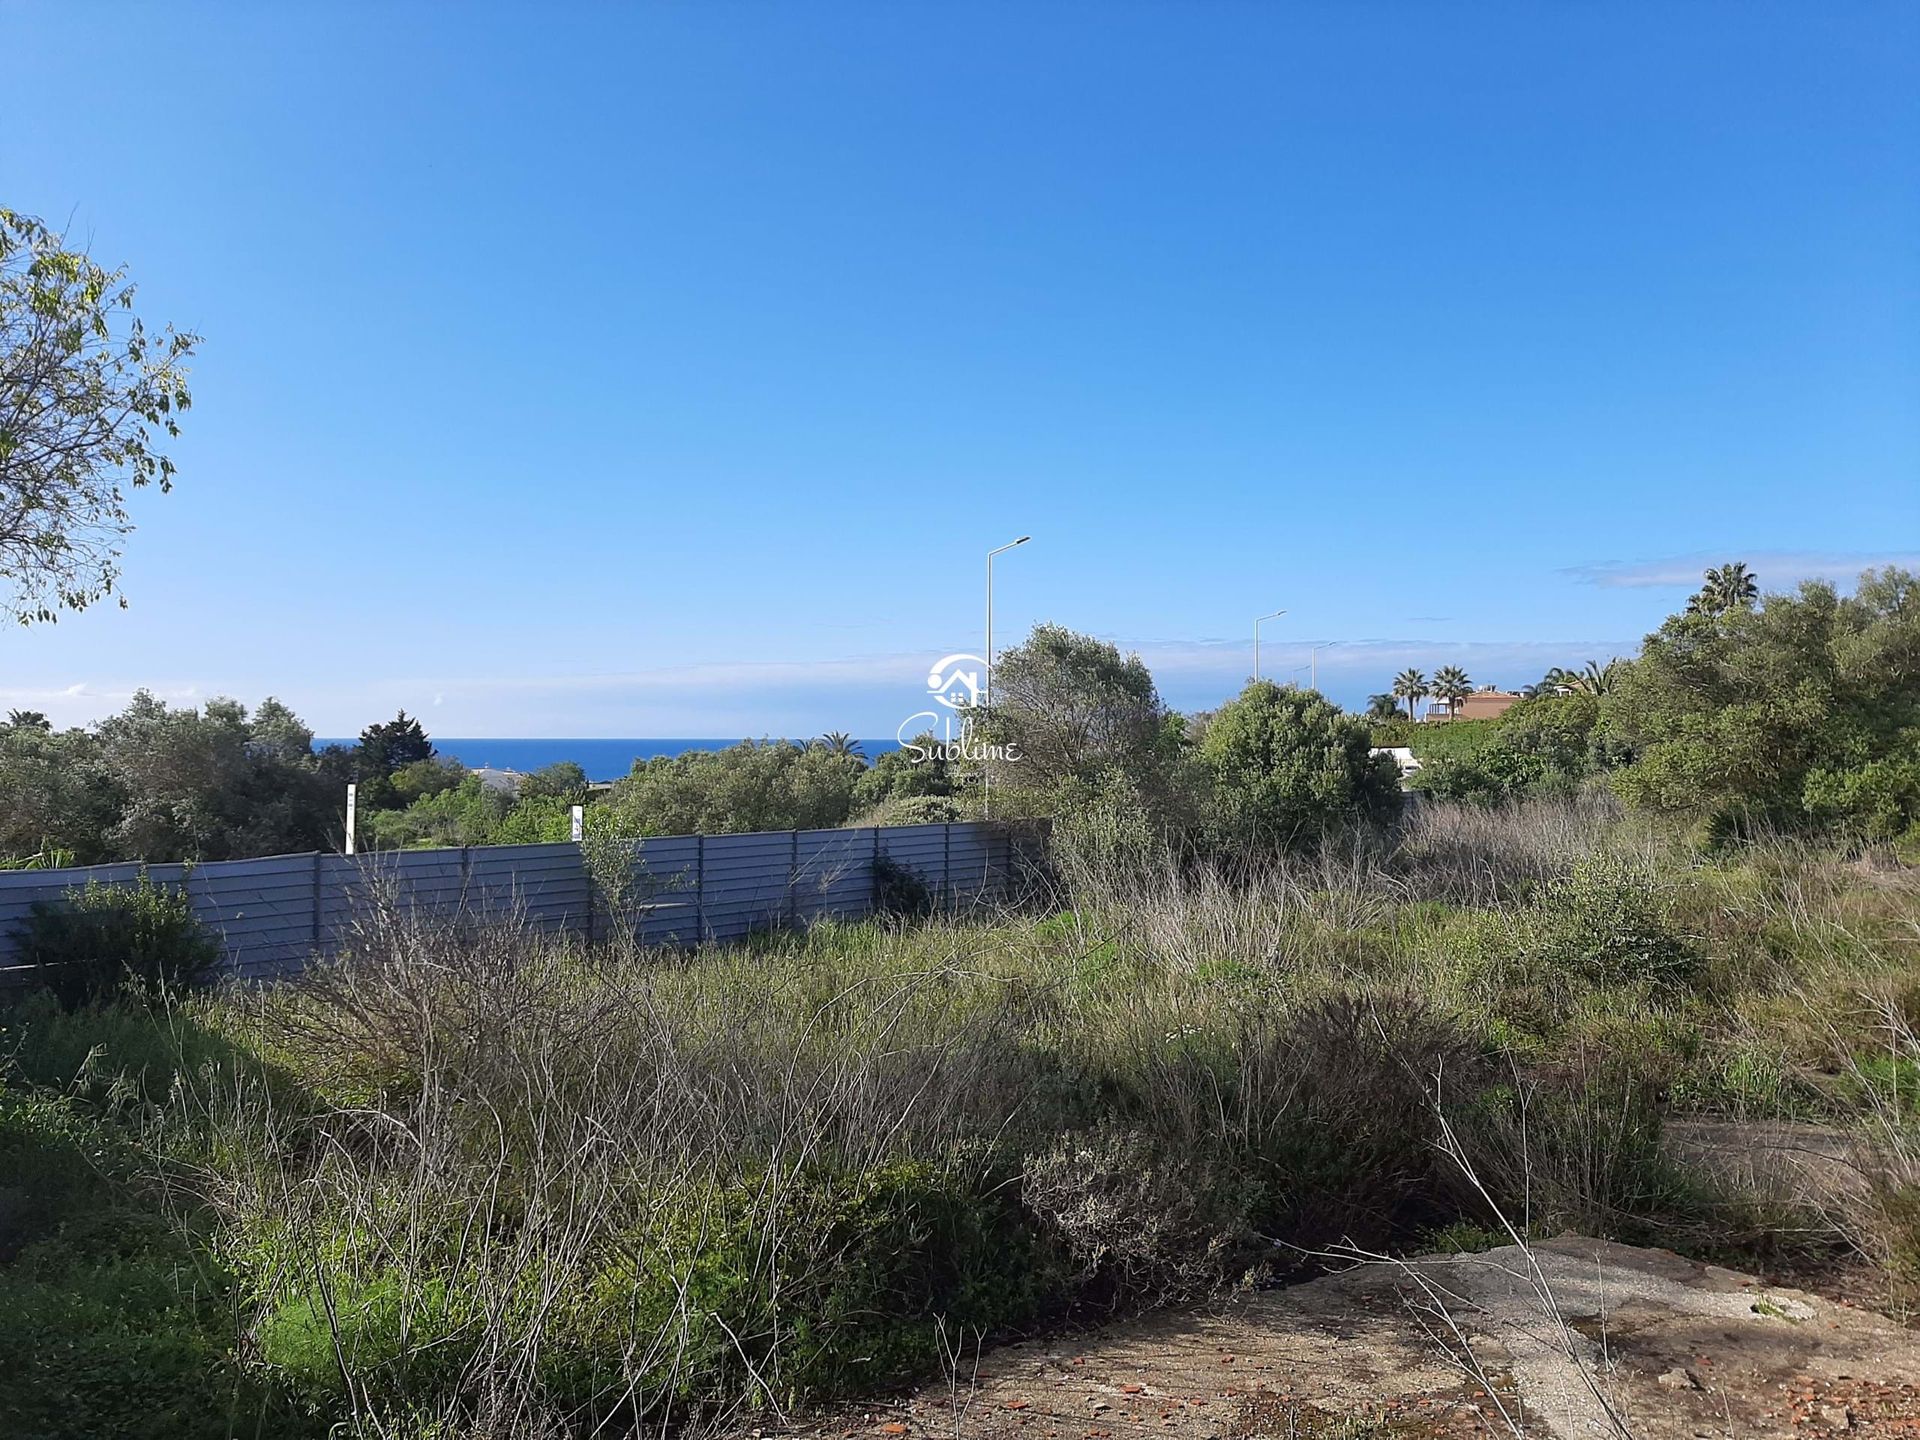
<point>1323,645</point>
<point>986,694</point>
<point>1256,640</point>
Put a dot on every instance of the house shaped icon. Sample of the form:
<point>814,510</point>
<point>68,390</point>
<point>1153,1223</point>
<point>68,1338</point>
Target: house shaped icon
<point>954,684</point>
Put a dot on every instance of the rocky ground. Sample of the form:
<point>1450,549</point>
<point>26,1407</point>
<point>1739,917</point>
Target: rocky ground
<point>1632,1342</point>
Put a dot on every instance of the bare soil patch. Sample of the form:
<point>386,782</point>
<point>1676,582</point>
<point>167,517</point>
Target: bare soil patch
<point>1635,1342</point>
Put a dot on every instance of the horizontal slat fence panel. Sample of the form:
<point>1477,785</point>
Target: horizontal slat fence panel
<point>274,914</point>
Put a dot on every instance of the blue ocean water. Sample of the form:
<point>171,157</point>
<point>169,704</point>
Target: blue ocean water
<point>601,759</point>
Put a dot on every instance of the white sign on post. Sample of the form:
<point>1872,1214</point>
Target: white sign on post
<point>352,794</point>
<point>579,823</point>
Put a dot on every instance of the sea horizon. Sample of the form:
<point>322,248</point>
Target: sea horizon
<point>602,759</point>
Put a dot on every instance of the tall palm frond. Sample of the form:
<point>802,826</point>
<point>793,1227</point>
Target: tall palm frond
<point>1726,587</point>
<point>841,743</point>
<point>1596,679</point>
<point>1450,683</point>
<point>1411,686</point>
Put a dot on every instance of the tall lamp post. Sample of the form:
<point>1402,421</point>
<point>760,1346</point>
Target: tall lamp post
<point>1315,660</point>
<point>1256,640</point>
<point>986,695</point>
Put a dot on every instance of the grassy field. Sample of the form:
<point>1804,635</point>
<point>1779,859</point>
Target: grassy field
<point>490,1184</point>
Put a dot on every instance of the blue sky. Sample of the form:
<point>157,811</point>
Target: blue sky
<point>668,370</point>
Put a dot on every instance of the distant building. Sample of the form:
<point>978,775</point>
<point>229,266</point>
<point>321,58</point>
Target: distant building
<point>505,781</point>
<point>1480,705</point>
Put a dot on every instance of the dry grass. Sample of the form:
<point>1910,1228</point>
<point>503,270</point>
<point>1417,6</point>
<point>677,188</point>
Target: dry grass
<point>486,1182</point>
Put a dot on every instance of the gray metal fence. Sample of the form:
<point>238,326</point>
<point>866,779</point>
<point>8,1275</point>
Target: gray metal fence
<point>275,914</point>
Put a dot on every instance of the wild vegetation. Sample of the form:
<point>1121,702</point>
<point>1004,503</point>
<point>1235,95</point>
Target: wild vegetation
<point>1800,715</point>
<point>489,1183</point>
<point>1794,714</point>
<point>468,1181</point>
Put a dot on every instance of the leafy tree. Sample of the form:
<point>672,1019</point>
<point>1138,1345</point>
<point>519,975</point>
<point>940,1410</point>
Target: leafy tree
<point>85,394</point>
<point>196,785</point>
<point>1450,683</point>
<point>770,785</point>
<point>1072,718</point>
<point>1727,587</point>
<point>920,770</point>
<point>467,813</point>
<point>1411,686</point>
<point>384,749</point>
<point>562,780</point>
<point>1802,711</point>
<point>1544,745</point>
<point>548,820</point>
<point>57,800</point>
<point>1287,766</point>
<point>425,778</point>
<point>838,742</point>
<point>277,732</point>
<point>916,810</point>
<point>338,766</point>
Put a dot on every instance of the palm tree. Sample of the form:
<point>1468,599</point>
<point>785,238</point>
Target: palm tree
<point>841,743</point>
<point>1411,686</point>
<point>1450,683</point>
<point>1596,679</point>
<point>1382,707</point>
<point>1727,587</point>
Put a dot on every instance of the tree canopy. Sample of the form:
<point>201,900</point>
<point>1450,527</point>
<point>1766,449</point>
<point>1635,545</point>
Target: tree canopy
<point>1287,765</point>
<point>764,785</point>
<point>1070,712</point>
<point>1804,709</point>
<point>86,396</point>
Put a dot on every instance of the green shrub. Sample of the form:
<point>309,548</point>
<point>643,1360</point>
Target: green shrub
<point>399,1335</point>
<point>1464,1237</point>
<point>1576,1144</point>
<point>1349,1153</point>
<point>112,1053</point>
<point>811,1287</point>
<point>899,891</point>
<point>1287,767</point>
<point>1900,1212</point>
<point>1608,922</point>
<point>105,938</point>
<point>112,1321</point>
<point>1539,747</point>
<point>1143,1223</point>
<point>765,785</point>
<point>913,810</point>
<point>140,1348</point>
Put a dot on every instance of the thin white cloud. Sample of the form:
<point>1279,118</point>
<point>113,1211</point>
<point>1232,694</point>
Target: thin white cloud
<point>1776,570</point>
<point>862,692</point>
